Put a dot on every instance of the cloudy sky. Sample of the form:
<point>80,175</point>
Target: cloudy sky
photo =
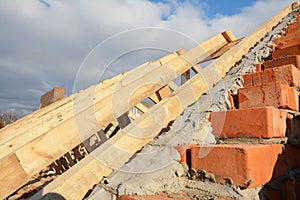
<point>73,44</point>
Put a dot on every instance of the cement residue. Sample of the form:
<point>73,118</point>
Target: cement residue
<point>210,189</point>
<point>156,168</point>
<point>148,183</point>
<point>147,172</point>
<point>253,141</point>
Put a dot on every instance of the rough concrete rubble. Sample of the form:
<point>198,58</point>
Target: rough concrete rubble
<point>156,169</point>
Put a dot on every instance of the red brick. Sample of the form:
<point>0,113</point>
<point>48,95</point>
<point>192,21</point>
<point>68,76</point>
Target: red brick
<point>256,79</point>
<point>291,29</point>
<point>150,197</point>
<point>279,95</point>
<point>265,122</point>
<point>289,51</point>
<point>294,60</point>
<point>284,74</point>
<point>248,165</point>
<point>290,34</point>
<point>258,67</point>
<point>288,42</point>
<point>248,81</point>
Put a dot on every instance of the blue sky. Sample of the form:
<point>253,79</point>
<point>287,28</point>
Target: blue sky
<point>53,43</point>
<point>216,7</point>
<point>219,7</point>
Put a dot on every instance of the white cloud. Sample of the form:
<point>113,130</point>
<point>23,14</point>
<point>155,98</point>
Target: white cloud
<point>43,47</point>
<point>250,18</point>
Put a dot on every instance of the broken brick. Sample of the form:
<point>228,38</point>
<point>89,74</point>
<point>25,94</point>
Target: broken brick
<point>289,51</point>
<point>293,60</point>
<point>279,95</point>
<point>247,165</point>
<point>284,74</point>
<point>264,122</point>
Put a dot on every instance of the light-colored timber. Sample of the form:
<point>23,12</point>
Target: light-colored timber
<point>59,124</point>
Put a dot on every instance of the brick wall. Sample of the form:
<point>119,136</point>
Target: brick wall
<point>260,141</point>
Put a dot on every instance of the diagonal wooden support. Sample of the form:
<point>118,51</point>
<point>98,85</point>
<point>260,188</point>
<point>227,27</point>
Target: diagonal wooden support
<point>141,107</point>
<point>33,138</point>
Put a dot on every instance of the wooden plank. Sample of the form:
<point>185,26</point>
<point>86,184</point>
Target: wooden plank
<point>236,53</point>
<point>12,130</point>
<point>26,123</point>
<point>56,108</point>
<point>14,139</point>
<point>220,44</point>
<point>160,94</point>
<point>126,142</point>
<point>197,68</point>
<point>11,169</point>
<point>205,49</point>
<point>224,49</point>
<point>132,115</point>
<point>168,58</point>
<point>141,107</point>
<point>163,93</point>
<point>52,119</point>
<point>43,120</point>
<point>177,65</point>
<point>229,36</point>
<point>84,124</point>
<point>43,115</point>
<point>154,98</point>
<point>133,137</point>
<point>173,85</point>
<point>38,145</point>
<point>51,116</point>
<point>85,177</point>
<point>185,77</point>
